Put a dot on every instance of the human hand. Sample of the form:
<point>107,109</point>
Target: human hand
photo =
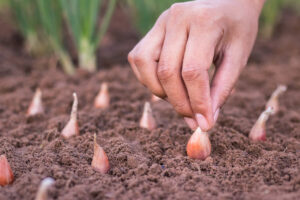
<point>173,59</point>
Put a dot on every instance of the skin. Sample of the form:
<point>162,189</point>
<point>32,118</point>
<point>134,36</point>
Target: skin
<point>173,59</point>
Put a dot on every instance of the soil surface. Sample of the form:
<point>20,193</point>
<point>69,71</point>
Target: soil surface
<point>148,164</point>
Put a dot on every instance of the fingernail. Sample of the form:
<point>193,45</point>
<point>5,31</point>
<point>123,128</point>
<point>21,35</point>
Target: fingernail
<point>191,123</point>
<point>202,122</point>
<point>216,115</point>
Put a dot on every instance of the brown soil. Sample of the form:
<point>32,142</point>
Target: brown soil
<point>149,164</point>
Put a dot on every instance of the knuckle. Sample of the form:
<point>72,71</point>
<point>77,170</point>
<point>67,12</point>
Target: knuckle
<point>140,59</point>
<point>130,56</point>
<point>165,73</point>
<point>203,16</point>
<point>175,9</point>
<point>199,106</point>
<point>206,12</point>
<point>163,15</point>
<point>190,73</point>
<point>182,108</point>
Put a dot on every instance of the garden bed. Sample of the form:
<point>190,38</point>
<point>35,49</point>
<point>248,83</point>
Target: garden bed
<point>148,164</point>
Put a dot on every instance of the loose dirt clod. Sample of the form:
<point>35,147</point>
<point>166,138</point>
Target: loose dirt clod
<point>72,128</point>
<point>103,98</point>
<point>147,121</point>
<point>6,174</point>
<point>199,146</point>
<point>273,101</point>
<point>43,188</point>
<point>258,131</point>
<point>100,160</point>
<point>36,105</point>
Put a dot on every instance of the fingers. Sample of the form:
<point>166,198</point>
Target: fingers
<point>198,58</point>
<point>130,59</point>
<point>143,58</point>
<point>227,74</point>
<point>191,123</point>
<point>169,69</point>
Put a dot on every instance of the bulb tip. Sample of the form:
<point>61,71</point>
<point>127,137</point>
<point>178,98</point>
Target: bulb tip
<point>36,105</point>
<point>269,109</point>
<point>147,121</point>
<point>198,130</point>
<point>104,85</point>
<point>47,181</point>
<point>258,131</point>
<point>95,138</point>
<point>283,88</point>
<point>38,90</point>
<point>147,107</point>
<point>102,100</point>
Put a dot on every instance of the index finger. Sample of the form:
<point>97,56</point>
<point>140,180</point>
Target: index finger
<point>197,60</point>
<point>144,57</point>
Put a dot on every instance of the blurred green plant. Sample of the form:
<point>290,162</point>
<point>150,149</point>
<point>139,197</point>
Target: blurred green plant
<point>269,17</point>
<point>271,14</point>
<point>42,22</point>
<point>146,12</point>
<point>3,4</point>
<point>26,15</point>
<point>293,4</point>
<point>51,21</point>
<point>82,19</point>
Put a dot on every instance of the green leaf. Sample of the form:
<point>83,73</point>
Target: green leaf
<point>82,19</point>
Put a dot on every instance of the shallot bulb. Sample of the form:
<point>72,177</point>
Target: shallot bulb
<point>72,128</point>
<point>102,99</point>
<point>273,101</point>
<point>258,131</point>
<point>100,161</point>
<point>6,174</point>
<point>43,189</point>
<point>147,121</point>
<point>199,146</point>
<point>36,105</point>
